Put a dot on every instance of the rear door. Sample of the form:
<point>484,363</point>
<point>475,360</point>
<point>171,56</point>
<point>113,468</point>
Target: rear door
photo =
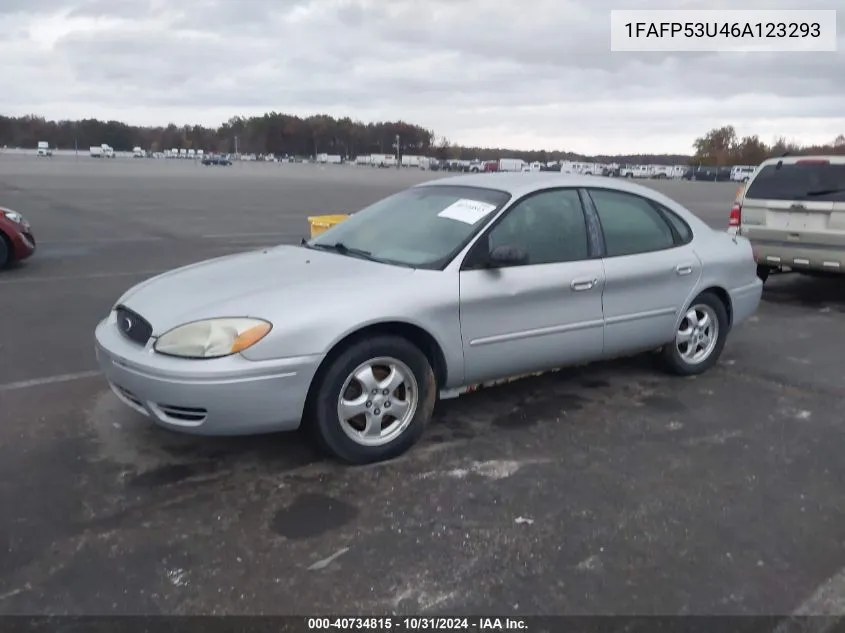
<point>797,203</point>
<point>650,270</point>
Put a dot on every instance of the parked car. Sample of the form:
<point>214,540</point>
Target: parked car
<point>450,285</point>
<point>216,160</point>
<point>17,242</point>
<point>713,174</point>
<point>793,212</point>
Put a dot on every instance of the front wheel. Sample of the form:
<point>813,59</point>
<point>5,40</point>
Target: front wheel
<point>699,339</point>
<point>374,400</point>
<point>5,250</point>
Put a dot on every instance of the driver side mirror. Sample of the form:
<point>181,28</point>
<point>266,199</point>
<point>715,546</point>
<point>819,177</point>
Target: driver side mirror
<point>506,255</point>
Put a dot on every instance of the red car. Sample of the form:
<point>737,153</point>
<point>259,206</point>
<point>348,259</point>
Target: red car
<point>16,239</point>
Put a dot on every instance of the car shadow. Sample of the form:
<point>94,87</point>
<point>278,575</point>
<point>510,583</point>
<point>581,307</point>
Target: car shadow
<point>181,458</point>
<point>811,292</point>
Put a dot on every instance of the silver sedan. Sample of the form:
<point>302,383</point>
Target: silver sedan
<point>438,289</point>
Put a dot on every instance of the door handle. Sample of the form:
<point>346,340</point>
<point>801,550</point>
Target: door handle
<point>583,284</point>
<point>683,269</point>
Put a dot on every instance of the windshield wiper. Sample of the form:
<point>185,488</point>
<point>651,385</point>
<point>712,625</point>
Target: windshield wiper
<point>343,249</point>
<point>824,192</point>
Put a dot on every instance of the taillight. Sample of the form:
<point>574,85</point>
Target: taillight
<point>736,215</point>
<point>812,161</point>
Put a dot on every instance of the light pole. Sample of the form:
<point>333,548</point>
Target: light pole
<point>398,158</point>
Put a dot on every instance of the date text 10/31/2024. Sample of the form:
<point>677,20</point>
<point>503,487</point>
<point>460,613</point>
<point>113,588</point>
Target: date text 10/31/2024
<point>417,623</point>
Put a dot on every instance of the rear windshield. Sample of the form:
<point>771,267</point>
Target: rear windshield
<point>822,182</point>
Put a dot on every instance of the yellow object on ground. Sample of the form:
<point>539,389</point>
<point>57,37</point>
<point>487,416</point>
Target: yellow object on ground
<point>321,223</point>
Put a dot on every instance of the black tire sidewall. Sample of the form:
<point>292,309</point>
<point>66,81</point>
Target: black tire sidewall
<point>325,423</point>
<point>671,357</point>
<point>5,251</point>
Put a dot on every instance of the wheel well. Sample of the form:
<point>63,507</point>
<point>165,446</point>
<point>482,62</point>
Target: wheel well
<point>415,334</point>
<point>725,298</point>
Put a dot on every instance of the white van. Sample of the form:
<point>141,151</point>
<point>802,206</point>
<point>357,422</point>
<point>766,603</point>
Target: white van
<point>741,173</point>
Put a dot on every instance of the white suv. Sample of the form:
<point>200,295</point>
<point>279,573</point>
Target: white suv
<point>793,213</point>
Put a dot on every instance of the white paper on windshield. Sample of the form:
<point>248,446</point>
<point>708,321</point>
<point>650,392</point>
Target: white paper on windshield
<point>467,211</point>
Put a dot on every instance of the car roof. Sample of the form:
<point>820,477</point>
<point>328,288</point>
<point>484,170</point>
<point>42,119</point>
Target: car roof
<point>791,160</point>
<point>521,183</point>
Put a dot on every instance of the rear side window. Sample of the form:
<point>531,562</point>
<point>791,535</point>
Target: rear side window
<point>630,224</point>
<point>799,181</point>
<point>683,229</point>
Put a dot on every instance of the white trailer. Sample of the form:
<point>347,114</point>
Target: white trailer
<point>383,160</point>
<point>44,149</point>
<point>138,152</point>
<point>192,153</point>
<point>96,151</point>
<point>363,160</point>
<point>634,171</point>
<point>334,159</point>
<point>512,164</point>
<point>410,161</point>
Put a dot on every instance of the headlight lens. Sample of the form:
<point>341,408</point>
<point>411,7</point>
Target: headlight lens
<point>14,216</point>
<point>213,338</point>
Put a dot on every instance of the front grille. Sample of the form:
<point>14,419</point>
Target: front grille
<point>133,326</point>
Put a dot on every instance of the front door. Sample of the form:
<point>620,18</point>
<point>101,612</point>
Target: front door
<point>541,315</point>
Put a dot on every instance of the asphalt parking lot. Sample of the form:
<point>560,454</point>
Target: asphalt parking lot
<point>607,490</point>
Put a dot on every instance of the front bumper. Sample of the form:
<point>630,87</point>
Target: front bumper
<point>224,396</point>
<point>23,244</point>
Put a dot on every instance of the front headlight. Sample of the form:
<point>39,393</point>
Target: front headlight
<point>14,216</point>
<point>213,338</point>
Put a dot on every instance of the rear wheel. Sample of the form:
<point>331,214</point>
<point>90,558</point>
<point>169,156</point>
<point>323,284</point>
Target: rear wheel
<point>699,339</point>
<point>374,400</point>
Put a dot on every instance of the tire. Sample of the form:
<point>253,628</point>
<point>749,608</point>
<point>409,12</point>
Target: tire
<point>677,362</point>
<point>343,438</point>
<point>5,251</point>
<point>763,273</point>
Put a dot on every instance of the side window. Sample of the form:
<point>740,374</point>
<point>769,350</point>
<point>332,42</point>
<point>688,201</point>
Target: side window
<point>549,226</point>
<point>630,224</point>
<point>682,228</point>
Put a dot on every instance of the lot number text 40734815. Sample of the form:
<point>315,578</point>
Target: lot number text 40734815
<point>723,31</point>
<point>416,623</point>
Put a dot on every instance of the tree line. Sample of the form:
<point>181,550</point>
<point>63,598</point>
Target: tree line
<point>272,133</point>
<point>288,135</point>
<point>722,146</point>
<point>281,135</point>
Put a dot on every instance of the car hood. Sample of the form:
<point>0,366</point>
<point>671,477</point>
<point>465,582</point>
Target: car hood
<point>264,284</point>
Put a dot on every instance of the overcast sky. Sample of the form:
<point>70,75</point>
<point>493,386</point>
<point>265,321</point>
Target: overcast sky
<point>529,74</point>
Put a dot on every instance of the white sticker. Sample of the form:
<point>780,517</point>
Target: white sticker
<point>468,211</point>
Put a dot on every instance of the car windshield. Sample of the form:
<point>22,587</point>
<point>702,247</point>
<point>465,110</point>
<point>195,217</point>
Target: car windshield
<point>799,181</point>
<point>421,227</point>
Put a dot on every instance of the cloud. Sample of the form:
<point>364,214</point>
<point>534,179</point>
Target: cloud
<point>527,74</point>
